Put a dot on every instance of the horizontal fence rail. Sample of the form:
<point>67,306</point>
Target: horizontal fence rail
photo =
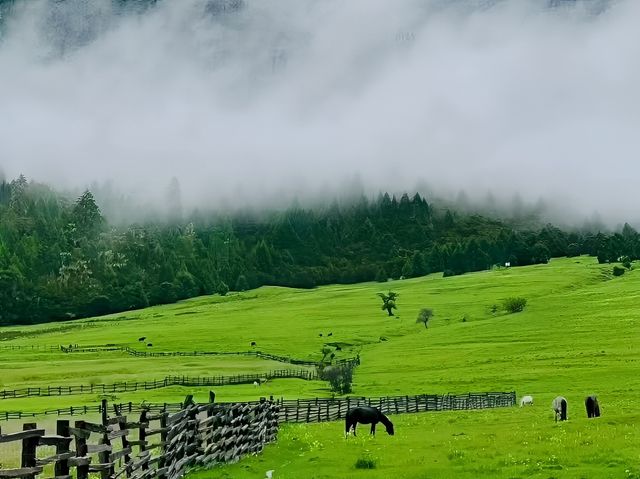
<point>317,409</point>
<point>135,448</point>
<point>327,409</point>
<point>160,354</point>
<point>28,347</point>
<point>168,381</point>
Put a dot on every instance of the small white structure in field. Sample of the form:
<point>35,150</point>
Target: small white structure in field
<point>526,400</point>
<point>507,264</point>
<point>256,384</point>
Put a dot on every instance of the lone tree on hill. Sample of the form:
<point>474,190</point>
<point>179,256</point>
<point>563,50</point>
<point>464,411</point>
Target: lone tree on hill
<point>424,316</point>
<point>389,302</point>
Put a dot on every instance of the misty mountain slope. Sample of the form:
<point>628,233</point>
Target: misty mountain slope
<point>254,101</point>
<point>62,260</point>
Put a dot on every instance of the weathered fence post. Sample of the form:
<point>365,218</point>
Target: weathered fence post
<point>82,470</point>
<point>61,467</point>
<point>163,442</point>
<point>29,446</point>
<point>104,455</point>
<point>142,436</point>
<point>122,424</point>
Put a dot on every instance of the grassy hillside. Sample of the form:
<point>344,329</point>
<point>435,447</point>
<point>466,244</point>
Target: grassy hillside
<point>578,331</point>
<point>578,335</point>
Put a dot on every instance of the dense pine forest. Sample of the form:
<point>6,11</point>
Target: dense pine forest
<point>61,259</point>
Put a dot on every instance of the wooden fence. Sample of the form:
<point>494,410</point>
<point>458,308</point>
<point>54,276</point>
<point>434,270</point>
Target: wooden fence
<point>160,354</point>
<point>323,409</point>
<point>74,348</point>
<point>125,408</point>
<point>317,409</point>
<point>195,435</point>
<point>28,347</point>
<point>130,386</point>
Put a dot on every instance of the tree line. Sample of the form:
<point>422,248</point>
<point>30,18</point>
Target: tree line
<point>61,259</point>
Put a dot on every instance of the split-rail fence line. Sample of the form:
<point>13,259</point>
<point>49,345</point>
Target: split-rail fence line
<point>159,354</point>
<point>197,435</point>
<point>168,381</point>
<point>312,410</point>
<point>194,435</point>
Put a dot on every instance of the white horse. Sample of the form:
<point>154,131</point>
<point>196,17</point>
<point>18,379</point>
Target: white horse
<point>559,406</point>
<point>526,400</point>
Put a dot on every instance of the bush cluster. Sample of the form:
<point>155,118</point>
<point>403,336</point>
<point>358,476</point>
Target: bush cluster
<point>514,305</point>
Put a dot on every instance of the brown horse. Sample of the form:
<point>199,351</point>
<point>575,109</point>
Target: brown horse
<point>367,415</point>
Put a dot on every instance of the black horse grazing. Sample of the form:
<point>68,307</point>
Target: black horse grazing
<point>593,408</point>
<point>559,406</point>
<point>367,415</point>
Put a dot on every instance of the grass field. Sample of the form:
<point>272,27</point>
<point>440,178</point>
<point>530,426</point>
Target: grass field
<point>578,335</point>
<point>504,444</point>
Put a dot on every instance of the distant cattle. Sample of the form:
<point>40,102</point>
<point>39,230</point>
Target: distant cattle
<point>142,338</point>
<point>330,334</point>
<point>149,345</point>
<point>320,334</point>
<point>593,408</point>
<point>253,343</point>
<point>526,400</point>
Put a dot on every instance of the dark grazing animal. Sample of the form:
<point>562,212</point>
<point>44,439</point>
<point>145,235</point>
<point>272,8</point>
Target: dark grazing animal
<point>593,408</point>
<point>320,334</point>
<point>367,415</point>
<point>142,338</point>
<point>253,343</point>
<point>559,406</point>
<point>149,345</point>
<point>330,334</point>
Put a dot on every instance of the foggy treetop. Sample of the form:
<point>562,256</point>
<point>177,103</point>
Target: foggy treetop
<point>60,259</point>
<point>264,100</point>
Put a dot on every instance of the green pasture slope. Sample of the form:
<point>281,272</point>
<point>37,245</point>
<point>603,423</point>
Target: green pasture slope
<point>578,335</point>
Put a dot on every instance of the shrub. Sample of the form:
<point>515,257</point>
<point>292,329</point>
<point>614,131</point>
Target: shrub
<point>222,289</point>
<point>365,463</point>
<point>339,377</point>
<point>514,305</point>
<point>618,270</point>
<point>381,275</point>
<point>326,351</point>
<point>424,316</point>
<point>241,283</point>
<point>626,262</point>
<point>99,305</point>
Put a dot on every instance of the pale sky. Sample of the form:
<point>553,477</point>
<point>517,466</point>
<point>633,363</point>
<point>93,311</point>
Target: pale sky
<point>299,97</point>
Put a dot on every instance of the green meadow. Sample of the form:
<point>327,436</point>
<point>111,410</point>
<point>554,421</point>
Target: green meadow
<point>578,335</point>
<point>503,443</point>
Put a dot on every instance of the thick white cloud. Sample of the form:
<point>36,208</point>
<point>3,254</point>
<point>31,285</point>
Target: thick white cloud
<point>300,96</point>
